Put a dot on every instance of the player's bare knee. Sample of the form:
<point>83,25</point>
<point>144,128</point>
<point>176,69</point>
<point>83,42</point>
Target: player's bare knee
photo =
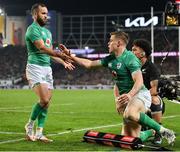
<point>45,101</point>
<point>129,115</point>
<point>156,100</point>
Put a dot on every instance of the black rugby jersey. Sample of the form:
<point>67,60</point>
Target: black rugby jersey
<point>150,72</point>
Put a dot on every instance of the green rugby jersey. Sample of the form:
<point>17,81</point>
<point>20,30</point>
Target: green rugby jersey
<point>122,67</point>
<point>36,32</point>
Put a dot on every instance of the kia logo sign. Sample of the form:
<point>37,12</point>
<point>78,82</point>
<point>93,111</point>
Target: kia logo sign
<point>141,22</point>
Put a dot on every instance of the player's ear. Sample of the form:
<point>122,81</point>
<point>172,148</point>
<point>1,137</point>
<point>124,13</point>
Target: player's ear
<point>119,43</point>
<point>143,54</point>
<point>35,14</point>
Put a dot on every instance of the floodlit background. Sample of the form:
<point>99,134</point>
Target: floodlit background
<point>83,99</point>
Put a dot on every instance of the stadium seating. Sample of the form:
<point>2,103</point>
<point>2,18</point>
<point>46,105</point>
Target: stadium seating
<point>13,62</point>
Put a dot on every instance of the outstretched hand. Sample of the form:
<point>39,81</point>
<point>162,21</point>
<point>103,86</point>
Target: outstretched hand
<point>64,49</point>
<point>64,57</point>
<point>69,66</point>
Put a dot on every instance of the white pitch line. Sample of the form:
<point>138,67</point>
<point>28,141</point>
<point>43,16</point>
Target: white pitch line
<point>9,108</point>
<point>175,101</point>
<point>77,130</point>
<point>14,108</point>
<point>11,133</point>
<point>83,129</point>
<point>99,127</point>
<point>12,141</point>
<point>65,132</point>
<point>26,111</point>
<point>61,133</point>
<point>60,112</point>
<point>166,117</point>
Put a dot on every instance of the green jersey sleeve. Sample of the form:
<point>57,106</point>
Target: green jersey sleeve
<point>107,59</point>
<point>34,34</point>
<point>133,63</point>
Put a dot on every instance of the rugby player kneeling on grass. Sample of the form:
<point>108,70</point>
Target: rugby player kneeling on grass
<point>132,98</point>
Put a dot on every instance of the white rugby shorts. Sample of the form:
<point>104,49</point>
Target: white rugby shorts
<point>37,74</point>
<point>145,97</point>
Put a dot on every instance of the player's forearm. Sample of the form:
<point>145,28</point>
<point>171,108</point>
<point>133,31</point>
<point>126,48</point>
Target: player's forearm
<point>116,92</point>
<point>48,51</point>
<point>138,83</point>
<point>137,86</point>
<point>55,53</point>
<point>59,60</point>
<point>83,62</point>
<point>39,44</point>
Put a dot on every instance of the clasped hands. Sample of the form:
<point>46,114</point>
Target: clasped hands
<point>64,54</point>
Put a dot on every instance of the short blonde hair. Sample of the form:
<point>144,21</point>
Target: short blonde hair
<point>121,35</point>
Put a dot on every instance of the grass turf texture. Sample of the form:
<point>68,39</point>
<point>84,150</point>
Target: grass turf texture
<point>70,114</point>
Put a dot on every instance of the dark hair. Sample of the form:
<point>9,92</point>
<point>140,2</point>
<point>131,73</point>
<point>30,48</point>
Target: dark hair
<point>35,7</point>
<point>145,45</point>
<point>122,35</point>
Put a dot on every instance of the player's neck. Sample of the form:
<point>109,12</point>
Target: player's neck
<point>38,23</point>
<point>119,52</point>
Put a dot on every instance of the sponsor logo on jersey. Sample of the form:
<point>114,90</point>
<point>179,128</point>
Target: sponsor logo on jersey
<point>143,70</point>
<point>114,73</point>
<point>118,65</point>
<point>48,42</point>
<point>109,65</point>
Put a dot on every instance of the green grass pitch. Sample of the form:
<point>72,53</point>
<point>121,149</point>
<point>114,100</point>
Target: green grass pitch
<point>71,113</point>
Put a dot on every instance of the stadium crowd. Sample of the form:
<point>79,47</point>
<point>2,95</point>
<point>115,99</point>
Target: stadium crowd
<point>13,61</point>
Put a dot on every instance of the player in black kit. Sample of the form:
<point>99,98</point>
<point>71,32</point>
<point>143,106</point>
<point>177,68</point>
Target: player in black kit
<point>142,49</point>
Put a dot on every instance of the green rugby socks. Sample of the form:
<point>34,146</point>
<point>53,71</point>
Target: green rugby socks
<point>147,121</point>
<point>42,117</point>
<point>144,135</point>
<point>35,111</point>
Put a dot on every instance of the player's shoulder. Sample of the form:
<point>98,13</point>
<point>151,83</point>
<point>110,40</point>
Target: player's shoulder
<point>151,64</point>
<point>152,67</point>
<point>111,56</point>
<point>32,27</point>
<point>131,59</point>
<point>47,31</point>
<point>129,54</point>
